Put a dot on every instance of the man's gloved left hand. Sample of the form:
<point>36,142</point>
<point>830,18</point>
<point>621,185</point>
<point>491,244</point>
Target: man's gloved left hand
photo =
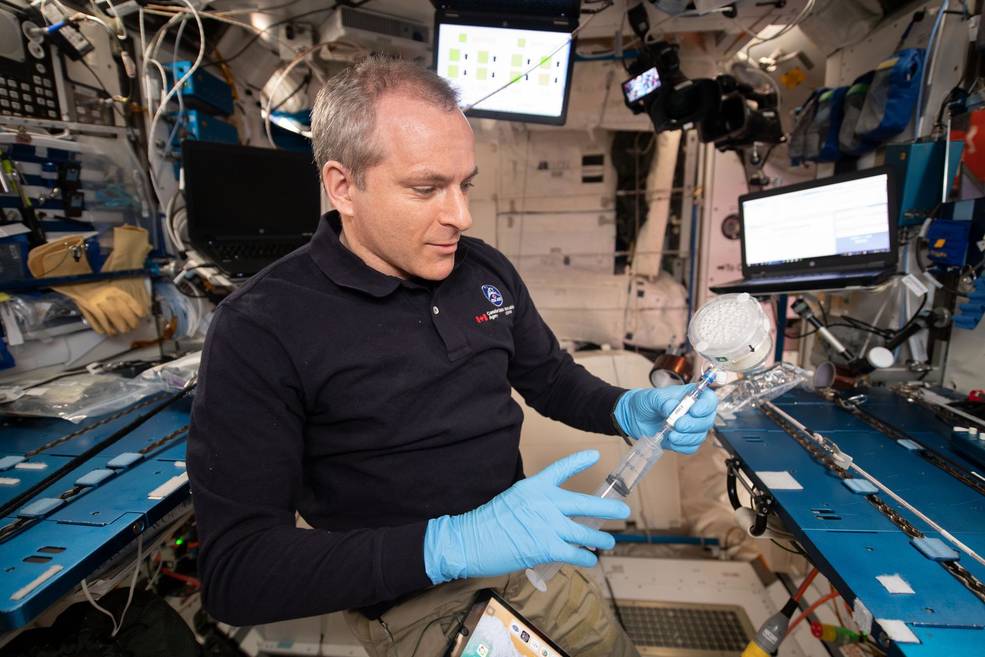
<point>641,412</point>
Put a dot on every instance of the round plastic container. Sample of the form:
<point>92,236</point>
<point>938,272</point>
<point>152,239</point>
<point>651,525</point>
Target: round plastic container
<point>732,332</point>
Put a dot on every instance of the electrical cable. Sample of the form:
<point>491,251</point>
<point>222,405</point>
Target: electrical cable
<point>859,325</point>
<point>222,17</point>
<point>169,230</point>
<point>70,373</point>
<point>927,66</point>
<point>118,30</point>
<point>805,584</point>
<point>92,601</point>
<point>612,598</point>
<point>303,85</point>
<point>73,15</point>
<point>592,12</point>
<point>798,551</point>
<point>101,88</point>
<point>459,617</point>
<point>133,582</point>
<point>178,84</point>
<point>261,32</point>
<point>206,265</point>
<point>865,325</point>
<point>756,40</point>
<point>841,621</point>
<point>145,59</point>
<point>810,610</point>
<point>277,79</point>
<point>117,626</point>
<point>878,316</point>
<point>179,118</point>
<point>189,294</point>
<point>924,269</point>
<point>187,579</point>
<point>913,317</point>
<point>812,331</point>
<point>285,5</point>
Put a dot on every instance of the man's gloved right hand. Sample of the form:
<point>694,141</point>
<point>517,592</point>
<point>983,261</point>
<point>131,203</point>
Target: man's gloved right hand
<point>528,524</point>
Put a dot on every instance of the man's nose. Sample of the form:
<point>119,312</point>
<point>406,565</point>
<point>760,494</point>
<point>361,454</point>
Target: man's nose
<point>456,211</point>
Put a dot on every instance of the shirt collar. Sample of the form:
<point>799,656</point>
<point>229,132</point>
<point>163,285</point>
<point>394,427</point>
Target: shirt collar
<point>345,268</point>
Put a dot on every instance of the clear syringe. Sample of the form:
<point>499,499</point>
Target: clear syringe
<point>633,467</point>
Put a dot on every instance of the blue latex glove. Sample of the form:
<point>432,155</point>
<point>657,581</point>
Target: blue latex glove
<point>525,525</point>
<point>641,412</point>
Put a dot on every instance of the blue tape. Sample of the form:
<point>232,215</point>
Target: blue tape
<point>124,460</point>
<point>7,462</point>
<point>935,549</point>
<point>40,508</point>
<point>94,477</point>
<point>909,444</point>
<point>860,486</point>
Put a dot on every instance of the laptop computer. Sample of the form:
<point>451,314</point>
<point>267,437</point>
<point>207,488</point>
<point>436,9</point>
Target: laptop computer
<point>824,234</point>
<point>248,206</point>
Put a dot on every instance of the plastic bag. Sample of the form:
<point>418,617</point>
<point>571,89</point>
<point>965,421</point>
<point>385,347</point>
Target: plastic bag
<point>80,397</point>
<point>45,315</point>
<point>175,374</point>
<point>765,386</point>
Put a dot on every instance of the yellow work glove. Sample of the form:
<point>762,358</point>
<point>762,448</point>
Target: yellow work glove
<point>130,249</point>
<point>107,308</point>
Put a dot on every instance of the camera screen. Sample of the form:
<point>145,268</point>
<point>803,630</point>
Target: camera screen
<point>642,85</point>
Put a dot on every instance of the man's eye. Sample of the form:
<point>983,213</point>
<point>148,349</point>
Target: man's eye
<point>466,186</point>
<point>424,191</point>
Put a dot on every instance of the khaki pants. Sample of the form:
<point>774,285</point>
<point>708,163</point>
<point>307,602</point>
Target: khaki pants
<point>572,613</point>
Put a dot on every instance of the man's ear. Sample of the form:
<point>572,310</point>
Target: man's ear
<point>339,185</point>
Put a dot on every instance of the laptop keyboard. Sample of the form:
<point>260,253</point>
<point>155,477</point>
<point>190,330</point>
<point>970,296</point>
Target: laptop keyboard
<point>249,250</point>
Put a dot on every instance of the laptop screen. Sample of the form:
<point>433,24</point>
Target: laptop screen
<point>830,218</point>
<point>237,192</point>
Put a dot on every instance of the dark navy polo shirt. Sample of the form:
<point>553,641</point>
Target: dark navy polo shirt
<point>368,404</point>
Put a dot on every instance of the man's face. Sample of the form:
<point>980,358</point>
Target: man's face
<point>413,207</point>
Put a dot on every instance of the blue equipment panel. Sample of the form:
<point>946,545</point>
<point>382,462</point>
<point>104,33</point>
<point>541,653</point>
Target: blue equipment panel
<point>22,434</point>
<point>851,540</point>
<point>50,556</point>
<point>199,126</point>
<point>919,169</point>
<point>202,89</point>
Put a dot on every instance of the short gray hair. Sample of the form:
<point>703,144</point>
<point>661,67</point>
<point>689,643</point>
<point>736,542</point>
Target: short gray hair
<point>343,120</point>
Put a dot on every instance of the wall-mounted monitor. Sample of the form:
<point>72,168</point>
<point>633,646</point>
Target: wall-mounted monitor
<point>525,67</point>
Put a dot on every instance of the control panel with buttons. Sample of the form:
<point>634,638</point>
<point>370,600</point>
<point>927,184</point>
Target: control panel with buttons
<point>27,82</point>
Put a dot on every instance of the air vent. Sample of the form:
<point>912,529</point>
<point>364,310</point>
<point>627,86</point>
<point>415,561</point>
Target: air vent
<point>378,32</point>
<point>673,629</point>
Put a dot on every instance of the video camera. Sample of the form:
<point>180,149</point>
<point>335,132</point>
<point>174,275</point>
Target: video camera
<point>726,112</point>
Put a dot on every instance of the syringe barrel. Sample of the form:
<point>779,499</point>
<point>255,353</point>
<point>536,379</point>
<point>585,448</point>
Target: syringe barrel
<point>636,463</point>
